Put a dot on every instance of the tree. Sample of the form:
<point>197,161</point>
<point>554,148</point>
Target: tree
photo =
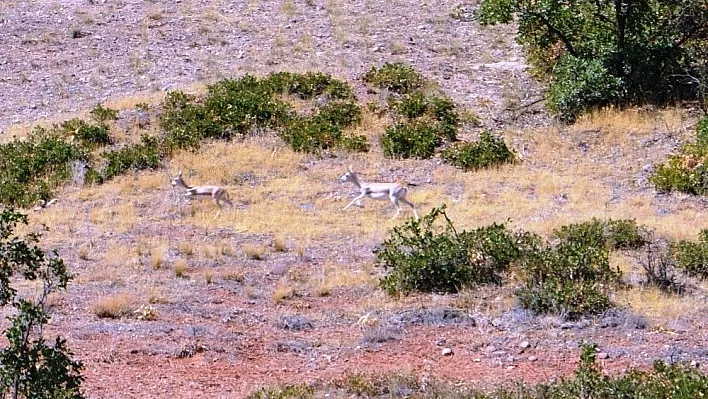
<point>598,52</point>
<point>29,368</point>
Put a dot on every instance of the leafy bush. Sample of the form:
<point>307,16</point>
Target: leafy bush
<point>90,136</point>
<point>598,53</point>
<point>579,85</point>
<point>422,256</point>
<point>439,110</point>
<point>30,169</point>
<point>570,278</point>
<point>103,115</point>
<point>692,257</point>
<point>396,77</point>
<point>29,367</point>
<point>323,131</point>
<point>487,152</point>
<point>417,139</point>
<point>687,171</point>
<point>309,85</point>
<point>615,234</point>
<point>145,155</point>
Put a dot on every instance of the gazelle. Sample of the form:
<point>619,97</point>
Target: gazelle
<point>216,193</point>
<point>379,191</point>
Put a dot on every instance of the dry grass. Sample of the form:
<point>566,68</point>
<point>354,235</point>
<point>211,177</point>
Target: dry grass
<point>282,292</point>
<point>254,252</point>
<point>661,309</point>
<point>114,307</point>
<point>334,276</point>
<point>180,268</point>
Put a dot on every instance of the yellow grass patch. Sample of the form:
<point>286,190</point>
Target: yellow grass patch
<point>660,308</point>
<point>114,307</point>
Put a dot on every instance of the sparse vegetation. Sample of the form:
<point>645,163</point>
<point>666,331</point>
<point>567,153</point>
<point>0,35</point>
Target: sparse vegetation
<point>180,268</point>
<point>397,77</point>
<point>676,381</point>
<point>29,367</point>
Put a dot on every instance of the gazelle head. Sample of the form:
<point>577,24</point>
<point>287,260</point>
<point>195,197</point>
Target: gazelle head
<point>348,176</point>
<point>177,180</point>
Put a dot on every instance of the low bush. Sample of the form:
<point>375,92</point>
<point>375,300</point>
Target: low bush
<point>146,155</point>
<point>614,234</point>
<point>309,85</point>
<point>686,171</point>
<point>418,139</point>
<point>489,151</point>
<point>571,278</point>
<point>102,115</point>
<point>30,169</point>
<point>423,256</point>
<point>692,257</point>
<point>438,109</point>
<point>90,136</point>
<point>396,77</point>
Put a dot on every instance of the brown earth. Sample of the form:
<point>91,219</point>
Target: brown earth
<point>313,312</point>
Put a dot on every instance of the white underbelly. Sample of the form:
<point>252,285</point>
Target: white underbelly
<point>379,196</point>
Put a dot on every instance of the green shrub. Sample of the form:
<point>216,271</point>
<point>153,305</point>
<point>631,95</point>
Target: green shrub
<point>423,256</point>
<point>146,155</point>
<point>692,257</point>
<point>686,172</point>
<point>437,109</point>
<point>90,136</point>
<point>31,169</point>
<point>487,152</point>
<point>323,131</point>
<point>396,77</point>
<point>579,85</point>
<point>417,139</point>
<point>309,85</point>
<point>103,115</point>
<point>702,132</point>
<point>571,278</point>
<point>30,367</point>
<point>185,121</point>
<point>615,234</point>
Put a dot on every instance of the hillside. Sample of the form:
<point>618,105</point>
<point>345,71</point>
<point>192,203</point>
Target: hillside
<point>283,288</point>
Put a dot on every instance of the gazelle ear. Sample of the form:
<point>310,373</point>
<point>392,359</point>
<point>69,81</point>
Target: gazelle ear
<point>349,168</point>
<point>179,174</point>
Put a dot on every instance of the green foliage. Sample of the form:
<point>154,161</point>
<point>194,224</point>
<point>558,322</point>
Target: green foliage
<point>309,85</point>
<point>396,77</point>
<point>423,120</point>
<point>487,152</point>
<point>145,155</point>
<point>236,107</point>
<point>103,115</point>
<point>579,85</point>
<point>30,169</point>
<point>605,52</point>
<point>417,139</point>
<point>686,171</point>
<point>423,256</point>
<point>615,234</point>
<point>29,367</point>
<point>570,278</point>
<point>323,131</point>
<point>692,257</point>
<point>90,136</point>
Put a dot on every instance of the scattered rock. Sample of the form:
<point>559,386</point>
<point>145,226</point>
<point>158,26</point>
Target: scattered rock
<point>603,355</point>
<point>532,358</point>
<point>524,344</point>
<point>447,352</point>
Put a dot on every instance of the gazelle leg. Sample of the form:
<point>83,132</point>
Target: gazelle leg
<point>415,211</point>
<point>354,201</point>
<point>395,203</point>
